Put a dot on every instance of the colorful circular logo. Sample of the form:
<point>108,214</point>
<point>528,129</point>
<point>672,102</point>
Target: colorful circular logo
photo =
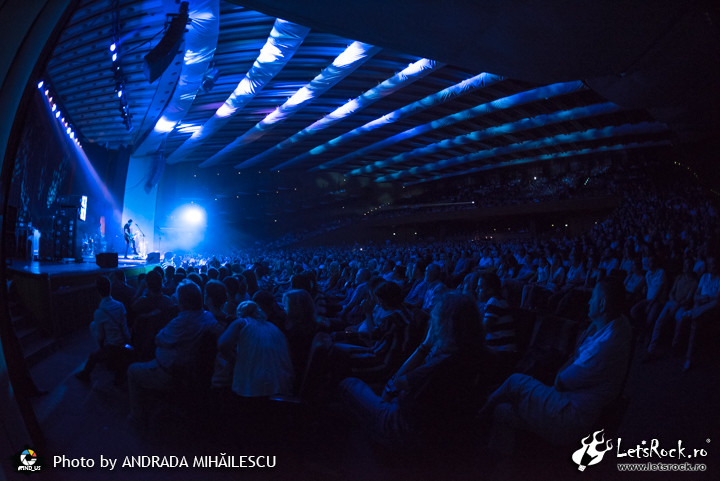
<point>28,457</point>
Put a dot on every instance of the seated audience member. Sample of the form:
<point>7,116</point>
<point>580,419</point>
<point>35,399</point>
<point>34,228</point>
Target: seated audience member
<point>508,268</point>
<point>417,285</point>
<point>330,283</point>
<point>539,294</point>
<point>647,309</point>
<point>542,278</point>
<point>300,325</point>
<point>215,299</point>
<point>681,296</point>
<point>390,327</point>
<point>608,262</point>
<point>574,279</point>
<point>262,361</point>
<point>594,273</point>
<point>175,345</point>
<point>426,293</point>
<point>196,278</point>
<point>486,261</point>
<point>153,299</point>
<point>462,267</point>
<point>590,380</point>
<point>628,260</point>
<point>151,312</point>
<point>213,274</point>
<point>271,308</point>
<point>397,275</point>
<point>109,328</point>
<point>121,291</point>
<point>251,283</point>
<point>498,325</point>
<point>704,311</point>
<point>356,297</point>
<point>170,283</point>
<point>469,284</point>
<point>635,282</point>
<point>232,284</point>
<point>572,298</point>
<point>432,395</point>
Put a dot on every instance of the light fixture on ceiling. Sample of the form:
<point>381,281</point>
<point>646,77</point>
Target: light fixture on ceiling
<point>117,70</point>
<point>209,79</point>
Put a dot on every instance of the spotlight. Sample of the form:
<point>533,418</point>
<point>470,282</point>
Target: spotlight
<point>209,79</point>
<point>114,57</point>
<point>57,114</point>
<point>119,93</point>
<point>193,215</point>
<point>40,84</point>
<point>113,47</point>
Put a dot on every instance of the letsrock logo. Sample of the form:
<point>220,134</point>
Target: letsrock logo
<point>27,461</point>
<point>592,450</point>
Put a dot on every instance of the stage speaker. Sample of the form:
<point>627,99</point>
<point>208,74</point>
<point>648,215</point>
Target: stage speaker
<point>106,260</point>
<point>159,58</point>
<point>153,258</point>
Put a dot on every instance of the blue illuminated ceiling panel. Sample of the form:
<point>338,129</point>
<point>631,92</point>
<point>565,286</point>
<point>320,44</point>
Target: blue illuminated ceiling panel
<point>333,106</point>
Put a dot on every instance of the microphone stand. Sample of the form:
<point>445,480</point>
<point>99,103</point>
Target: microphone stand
<point>143,234</point>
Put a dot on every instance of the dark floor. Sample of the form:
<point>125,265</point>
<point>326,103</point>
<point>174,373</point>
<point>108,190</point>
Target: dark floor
<point>89,420</point>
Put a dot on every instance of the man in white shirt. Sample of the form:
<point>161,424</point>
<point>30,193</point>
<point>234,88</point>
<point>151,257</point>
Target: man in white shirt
<point>590,380</point>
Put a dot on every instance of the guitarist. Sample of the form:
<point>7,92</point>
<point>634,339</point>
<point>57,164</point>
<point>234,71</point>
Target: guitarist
<point>129,237</point>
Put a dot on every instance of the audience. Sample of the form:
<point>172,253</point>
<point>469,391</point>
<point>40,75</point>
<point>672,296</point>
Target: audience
<point>372,304</point>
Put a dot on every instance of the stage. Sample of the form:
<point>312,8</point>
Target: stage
<point>70,268</point>
<point>60,297</point>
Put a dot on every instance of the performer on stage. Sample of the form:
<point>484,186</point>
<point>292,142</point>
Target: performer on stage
<point>129,238</point>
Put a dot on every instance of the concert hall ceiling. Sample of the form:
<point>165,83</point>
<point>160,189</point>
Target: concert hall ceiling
<point>400,92</point>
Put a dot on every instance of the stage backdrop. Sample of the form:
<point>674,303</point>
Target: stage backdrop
<point>48,165</point>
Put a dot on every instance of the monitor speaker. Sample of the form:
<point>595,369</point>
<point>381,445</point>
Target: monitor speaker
<point>153,258</point>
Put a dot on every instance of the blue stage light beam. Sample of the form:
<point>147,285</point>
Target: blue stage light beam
<point>410,74</point>
<point>581,136</point>
<point>284,40</point>
<point>540,158</point>
<point>466,86</point>
<point>344,64</point>
<point>504,129</point>
<point>511,101</point>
